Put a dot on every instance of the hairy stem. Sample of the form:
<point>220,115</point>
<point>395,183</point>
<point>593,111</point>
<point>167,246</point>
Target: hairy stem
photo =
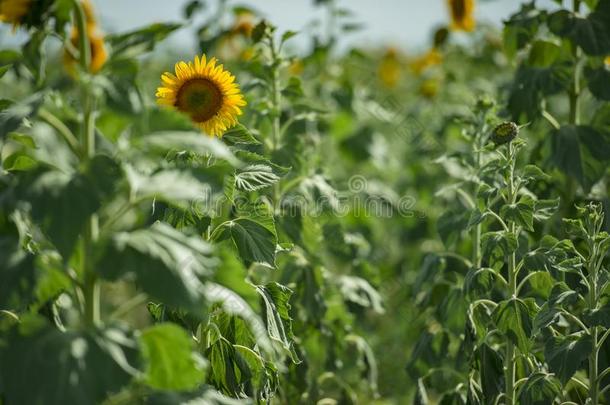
<point>509,360</point>
<point>61,128</point>
<point>476,231</point>
<point>592,302</point>
<point>276,101</point>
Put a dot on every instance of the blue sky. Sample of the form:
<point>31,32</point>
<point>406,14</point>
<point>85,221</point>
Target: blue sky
<point>402,23</point>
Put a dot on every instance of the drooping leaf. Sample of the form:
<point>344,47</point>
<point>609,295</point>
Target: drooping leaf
<point>580,152</point>
<point>598,81</point>
<point>17,275</point>
<point>491,369</point>
<point>62,205</point>
<point>539,389</point>
<point>205,394</point>
<point>139,41</point>
<point>522,213</point>
<point>167,264</point>
<point>198,190</point>
<point>239,134</point>
<point>276,308</point>
<point>478,281</point>
<point>12,114</point>
<point>565,354</point>
<point>531,85</point>
<point>599,316</point>
<point>421,395</point>
<point>68,367</point>
<point>361,292</point>
<point>166,141</point>
<point>521,28</point>
<point>254,235</point>
<point>505,242</point>
<point>514,318</point>
<point>234,305</point>
<point>543,54</point>
<point>591,33</point>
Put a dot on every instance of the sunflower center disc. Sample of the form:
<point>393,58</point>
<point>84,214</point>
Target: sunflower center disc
<point>459,9</point>
<point>200,98</point>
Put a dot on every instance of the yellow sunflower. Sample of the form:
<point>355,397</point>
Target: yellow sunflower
<point>429,88</point>
<point>98,50</point>
<point>462,14</point>
<point>243,25</point>
<point>389,70</point>
<point>96,42</point>
<point>13,11</point>
<point>205,92</point>
<point>431,58</point>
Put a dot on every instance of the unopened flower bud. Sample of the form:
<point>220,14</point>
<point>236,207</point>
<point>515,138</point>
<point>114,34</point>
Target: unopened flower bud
<point>504,133</point>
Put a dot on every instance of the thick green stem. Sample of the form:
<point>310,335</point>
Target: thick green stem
<point>509,360</point>
<point>61,129</point>
<point>275,97</point>
<point>276,101</point>
<point>593,367</point>
<point>476,246</point>
<point>91,288</point>
<point>593,357</point>
<point>476,231</point>
<point>574,112</point>
<point>84,48</point>
<point>510,347</point>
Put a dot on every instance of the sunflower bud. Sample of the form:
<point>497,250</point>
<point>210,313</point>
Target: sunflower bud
<point>440,37</point>
<point>504,133</point>
<point>485,103</point>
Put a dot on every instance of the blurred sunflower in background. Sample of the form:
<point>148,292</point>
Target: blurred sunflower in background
<point>431,58</point>
<point>13,11</point>
<point>430,87</point>
<point>235,42</point>
<point>205,92</point>
<point>244,24</point>
<point>389,71</point>
<point>462,14</point>
<point>96,42</point>
<point>296,67</point>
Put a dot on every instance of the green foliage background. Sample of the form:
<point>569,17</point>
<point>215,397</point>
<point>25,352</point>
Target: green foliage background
<point>356,239</point>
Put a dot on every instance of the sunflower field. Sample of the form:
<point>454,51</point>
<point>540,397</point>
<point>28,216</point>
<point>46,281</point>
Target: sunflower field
<point>263,223</point>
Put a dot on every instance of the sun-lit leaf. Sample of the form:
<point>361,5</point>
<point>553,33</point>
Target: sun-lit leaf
<point>171,362</point>
<point>167,264</point>
<point>255,177</point>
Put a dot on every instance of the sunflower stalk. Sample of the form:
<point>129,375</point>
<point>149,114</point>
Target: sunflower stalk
<point>509,358</point>
<point>476,231</point>
<point>574,107</point>
<point>276,103</point>
<point>91,288</point>
<point>594,223</point>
